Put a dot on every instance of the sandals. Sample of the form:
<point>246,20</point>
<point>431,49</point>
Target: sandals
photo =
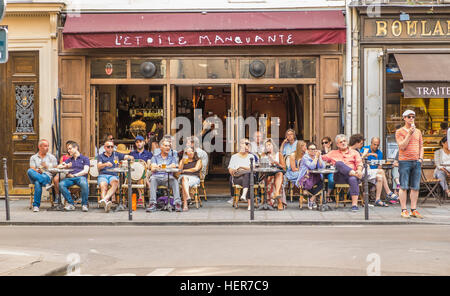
<point>380,203</point>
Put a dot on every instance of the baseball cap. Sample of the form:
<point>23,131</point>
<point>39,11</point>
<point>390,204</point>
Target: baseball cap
<point>139,138</point>
<point>408,112</point>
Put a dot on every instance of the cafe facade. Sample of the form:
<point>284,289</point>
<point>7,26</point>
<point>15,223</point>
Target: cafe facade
<point>405,64</point>
<point>115,69</point>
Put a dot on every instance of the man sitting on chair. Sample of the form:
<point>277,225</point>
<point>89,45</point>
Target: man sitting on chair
<point>80,168</point>
<point>158,178</point>
<point>145,155</point>
<point>107,160</point>
<point>349,167</point>
<point>38,172</point>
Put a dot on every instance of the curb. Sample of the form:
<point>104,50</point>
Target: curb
<point>57,271</point>
<point>218,223</point>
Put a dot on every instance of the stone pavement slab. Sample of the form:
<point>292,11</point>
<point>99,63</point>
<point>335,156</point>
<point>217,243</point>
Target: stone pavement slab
<point>218,211</point>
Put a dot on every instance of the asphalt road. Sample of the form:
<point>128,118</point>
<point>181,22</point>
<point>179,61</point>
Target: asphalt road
<point>239,250</point>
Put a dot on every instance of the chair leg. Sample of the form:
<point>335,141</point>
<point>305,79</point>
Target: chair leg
<point>204,190</point>
<point>291,190</point>
<point>31,198</point>
<point>196,198</point>
<point>236,198</point>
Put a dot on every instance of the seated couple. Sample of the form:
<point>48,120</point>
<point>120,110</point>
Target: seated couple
<point>239,169</point>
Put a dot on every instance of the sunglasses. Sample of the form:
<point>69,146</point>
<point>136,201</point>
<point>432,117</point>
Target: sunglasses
<point>109,146</point>
<point>323,143</point>
<point>411,116</point>
<point>247,143</point>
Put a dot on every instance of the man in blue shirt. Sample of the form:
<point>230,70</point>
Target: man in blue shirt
<point>108,160</point>
<point>159,178</point>
<point>289,145</point>
<point>80,168</point>
<point>145,155</point>
<point>376,174</point>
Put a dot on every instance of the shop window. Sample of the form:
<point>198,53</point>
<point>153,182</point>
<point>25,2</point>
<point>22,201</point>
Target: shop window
<point>202,69</point>
<point>298,68</point>
<point>146,68</point>
<point>431,113</point>
<point>103,68</point>
<point>257,68</point>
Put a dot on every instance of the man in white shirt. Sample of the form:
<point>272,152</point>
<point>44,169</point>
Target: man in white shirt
<point>257,146</point>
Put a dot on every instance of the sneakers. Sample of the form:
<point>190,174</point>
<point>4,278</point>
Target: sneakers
<point>69,208</point>
<point>151,208</point>
<point>355,209</point>
<point>35,209</point>
<point>230,201</point>
<point>85,208</point>
<point>310,204</point>
<point>405,214</point>
<point>178,207</point>
<point>416,214</point>
<point>108,206</point>
<point>102,203</point>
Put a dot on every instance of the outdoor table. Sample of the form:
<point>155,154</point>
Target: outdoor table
<point>168,207</point>
<point>324,206</point>
<point>263,171</point>
<point>121,171</point>
<point>58,171</point>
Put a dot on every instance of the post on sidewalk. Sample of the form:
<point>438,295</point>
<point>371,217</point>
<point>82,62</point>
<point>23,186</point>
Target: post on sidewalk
<point>5,166</point>
<point>130,210</point>
<point>366,190</point>
<point>252,195</point>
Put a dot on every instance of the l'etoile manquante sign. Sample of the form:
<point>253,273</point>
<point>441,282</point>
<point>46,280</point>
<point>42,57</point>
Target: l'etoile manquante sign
<point>415,28</point>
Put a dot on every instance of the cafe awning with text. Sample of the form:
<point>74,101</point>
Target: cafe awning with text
<point>133,30</point>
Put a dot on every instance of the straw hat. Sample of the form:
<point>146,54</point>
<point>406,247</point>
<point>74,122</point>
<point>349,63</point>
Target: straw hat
<point>121,148</point>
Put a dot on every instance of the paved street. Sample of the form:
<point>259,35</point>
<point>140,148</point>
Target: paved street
<point>230,250</point>
<point>218,211</point>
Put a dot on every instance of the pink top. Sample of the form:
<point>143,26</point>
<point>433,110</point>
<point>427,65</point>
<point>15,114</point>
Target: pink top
<point>351,157</point>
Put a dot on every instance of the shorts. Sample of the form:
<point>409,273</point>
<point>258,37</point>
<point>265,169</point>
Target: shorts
<point>371,175</point>
<point>192,180</point>
<point>106,179</point>
<point>410,171</point>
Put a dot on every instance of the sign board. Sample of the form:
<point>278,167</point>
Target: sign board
<point>427,89</point>
<point>2,8</point>
<point>3,45</point>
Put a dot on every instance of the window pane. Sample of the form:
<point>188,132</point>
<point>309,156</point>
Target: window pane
<point>109,69</point>
<point>202,69</point>
<point>298,68</point>
<point>245,68</point>
<point>136,68</point>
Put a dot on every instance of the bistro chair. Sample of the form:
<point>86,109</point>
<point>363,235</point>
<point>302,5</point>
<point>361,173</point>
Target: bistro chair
<point>50,198</point>
<point>237,193</point>
<point>343,190</point>
<point>305,195</point>
<point>138,174</point>
<point>197,200</point>
<point>430,185</point>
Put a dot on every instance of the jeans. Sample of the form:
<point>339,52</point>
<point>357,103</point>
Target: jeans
<point>156,181</point>
<point>342,177</point>
<point>38,180</point>
<point>410,171</point>
<point>330,178</point>
<point>80,181</point>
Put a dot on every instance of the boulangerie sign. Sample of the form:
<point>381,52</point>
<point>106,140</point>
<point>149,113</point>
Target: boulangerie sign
<point>427,89</point>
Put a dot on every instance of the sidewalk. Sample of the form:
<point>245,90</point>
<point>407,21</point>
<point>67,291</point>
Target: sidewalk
<point>217,211</point>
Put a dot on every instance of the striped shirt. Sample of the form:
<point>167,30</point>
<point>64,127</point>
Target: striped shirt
<point>415,145</point>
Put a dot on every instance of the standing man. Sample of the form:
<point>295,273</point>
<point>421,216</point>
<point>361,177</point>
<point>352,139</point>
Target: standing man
<point>107,160</point>
<point>410,158</point>
<point>38,172</point>
<point>80,168</point>
<point>145,155</point>
<point>163,160</point>
<point>289,144</point>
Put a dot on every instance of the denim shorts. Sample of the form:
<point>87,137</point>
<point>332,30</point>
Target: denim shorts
<point>410,171</point>
<point>107,179</point>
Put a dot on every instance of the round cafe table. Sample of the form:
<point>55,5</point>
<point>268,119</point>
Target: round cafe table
<point>121,171</point>
<point>58,171</point>
<point>324,206</point>
<point>263,171</point>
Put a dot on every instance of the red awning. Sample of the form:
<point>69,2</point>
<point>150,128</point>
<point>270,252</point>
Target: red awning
<point>197,29</point>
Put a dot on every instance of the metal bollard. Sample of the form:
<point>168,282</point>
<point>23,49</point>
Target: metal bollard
<point>130,210</point>
<point>5,166</point>
<point>252,194</point>
<point>366,191</point>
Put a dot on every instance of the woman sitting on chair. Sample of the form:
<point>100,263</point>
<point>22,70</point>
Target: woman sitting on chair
<point>274,181</point>
<point>293,161</point>
<point>311,183</point>
<point>190,174</point>
<point>442,157</point>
